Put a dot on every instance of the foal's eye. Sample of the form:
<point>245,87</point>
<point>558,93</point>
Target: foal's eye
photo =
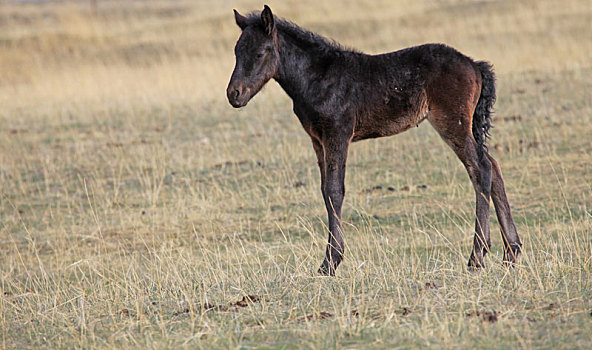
<point>260,55</point>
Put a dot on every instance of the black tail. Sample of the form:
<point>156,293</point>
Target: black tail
<point>482,116</point>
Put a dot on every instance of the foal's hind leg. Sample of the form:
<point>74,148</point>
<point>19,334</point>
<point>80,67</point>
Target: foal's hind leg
<point>457,134</point>
<point>512,244</point>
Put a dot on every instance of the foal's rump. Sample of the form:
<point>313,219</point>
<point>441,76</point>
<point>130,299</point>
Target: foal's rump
<point>460,92</point>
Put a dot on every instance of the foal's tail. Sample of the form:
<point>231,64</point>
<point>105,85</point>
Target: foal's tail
<point>482,116</point>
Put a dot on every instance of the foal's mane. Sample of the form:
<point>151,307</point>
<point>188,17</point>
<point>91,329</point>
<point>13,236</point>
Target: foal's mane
<point>304,37</point>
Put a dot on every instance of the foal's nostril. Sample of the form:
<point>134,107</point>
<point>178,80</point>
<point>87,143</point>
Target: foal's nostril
<point>234,94</point>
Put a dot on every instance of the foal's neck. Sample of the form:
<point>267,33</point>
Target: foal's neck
<point>300,66</point>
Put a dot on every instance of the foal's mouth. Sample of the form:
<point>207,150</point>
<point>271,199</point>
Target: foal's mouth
<point>238,97</point>
<point>237,103</point>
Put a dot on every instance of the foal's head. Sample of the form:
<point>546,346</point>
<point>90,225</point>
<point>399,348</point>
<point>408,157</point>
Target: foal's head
<point>257,57</point>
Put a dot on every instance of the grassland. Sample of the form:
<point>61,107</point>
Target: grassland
<point>139,210</point>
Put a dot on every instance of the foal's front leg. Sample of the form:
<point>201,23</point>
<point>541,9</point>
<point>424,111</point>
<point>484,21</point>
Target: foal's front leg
<point>333,187</point>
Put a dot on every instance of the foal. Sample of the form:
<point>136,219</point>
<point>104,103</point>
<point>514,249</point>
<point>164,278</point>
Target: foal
<point>342,96</point>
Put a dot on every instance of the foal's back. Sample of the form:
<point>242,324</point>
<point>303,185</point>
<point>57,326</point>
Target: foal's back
<point>400,88</point>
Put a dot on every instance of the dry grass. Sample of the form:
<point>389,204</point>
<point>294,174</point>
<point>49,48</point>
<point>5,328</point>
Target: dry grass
<point>138,209</point>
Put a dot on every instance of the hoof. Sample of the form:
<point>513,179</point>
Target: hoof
<point>326,269</point>
<point>511,254</point>
<point>475,263</point>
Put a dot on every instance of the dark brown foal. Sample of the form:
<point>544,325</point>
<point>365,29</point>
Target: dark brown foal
<point>342,96</point>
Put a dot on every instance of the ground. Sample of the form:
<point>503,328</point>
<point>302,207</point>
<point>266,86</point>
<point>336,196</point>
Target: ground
<point>138,209</point>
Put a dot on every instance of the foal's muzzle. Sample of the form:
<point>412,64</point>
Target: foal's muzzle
<point>237,95</point>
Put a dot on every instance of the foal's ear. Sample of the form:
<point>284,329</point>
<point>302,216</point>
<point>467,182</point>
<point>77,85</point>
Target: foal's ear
<point>241,20</point>
<point>267,18</point>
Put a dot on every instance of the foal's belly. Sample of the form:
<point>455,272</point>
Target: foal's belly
<point>390,119</point>
<point>382,128</point>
